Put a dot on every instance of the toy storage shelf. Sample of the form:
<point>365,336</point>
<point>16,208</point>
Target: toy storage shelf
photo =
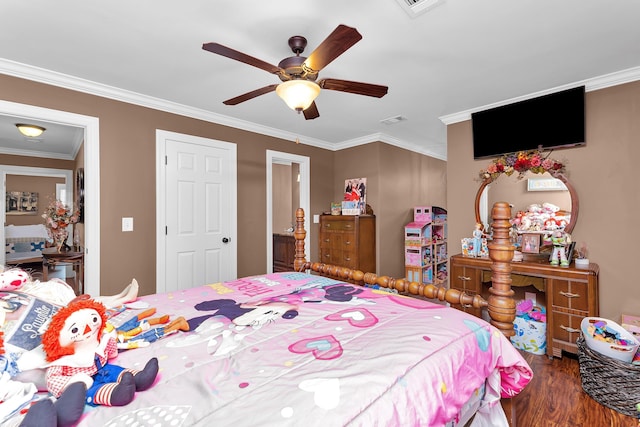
<point>425,250</point>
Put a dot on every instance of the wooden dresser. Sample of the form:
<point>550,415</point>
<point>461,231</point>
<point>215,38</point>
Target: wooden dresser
<point>348,241</point>
<point>570,294</point>
<point>284,250</point>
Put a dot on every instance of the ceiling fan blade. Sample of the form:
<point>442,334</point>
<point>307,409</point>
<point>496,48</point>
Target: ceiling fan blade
<point>311,112</point>
<point>358,88</point>
<point>239,56</point>
<point>250,95</point>
<point>341,39</point>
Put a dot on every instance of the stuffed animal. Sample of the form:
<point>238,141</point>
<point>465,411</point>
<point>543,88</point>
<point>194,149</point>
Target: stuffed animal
<point>560,239</point>
<point>65,411</point>
<point>77,351</point>
<point>13,279</point>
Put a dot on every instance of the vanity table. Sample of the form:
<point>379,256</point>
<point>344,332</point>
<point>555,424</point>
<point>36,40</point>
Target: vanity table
<point>570,294</point>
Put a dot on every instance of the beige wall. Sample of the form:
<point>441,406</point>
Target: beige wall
<point>127,188</point>
<point>397,181</point>
<point>603,174</point>
<point>44,186</point>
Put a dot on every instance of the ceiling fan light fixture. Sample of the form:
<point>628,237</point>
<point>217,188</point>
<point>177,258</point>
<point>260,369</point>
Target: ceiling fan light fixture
<point>298,94</point>
<point>30,131</point>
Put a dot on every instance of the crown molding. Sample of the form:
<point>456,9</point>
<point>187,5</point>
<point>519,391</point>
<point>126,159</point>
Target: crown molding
<point>54,78</point>
<point>596,83</point>
<point>381,137</point>
<point>57,79</point>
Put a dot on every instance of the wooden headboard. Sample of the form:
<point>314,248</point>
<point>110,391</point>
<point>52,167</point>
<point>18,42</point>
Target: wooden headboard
<point>500,304</point>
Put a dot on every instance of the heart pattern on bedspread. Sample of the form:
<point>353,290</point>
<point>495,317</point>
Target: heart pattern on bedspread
<point>323,348</point>
<point>360,318</point>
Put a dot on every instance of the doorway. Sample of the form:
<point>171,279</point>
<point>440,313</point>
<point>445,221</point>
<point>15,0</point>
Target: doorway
<point>5,170</point>
<point>91,179</point>
<point>304,166</point>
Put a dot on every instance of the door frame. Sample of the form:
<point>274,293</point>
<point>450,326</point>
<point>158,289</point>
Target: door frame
<point>91,126</point>
<point>278,157</point>
<point>161,190</point>
<point>30,171</point>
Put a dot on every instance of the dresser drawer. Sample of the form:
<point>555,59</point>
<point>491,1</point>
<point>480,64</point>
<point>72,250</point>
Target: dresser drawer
<point>337,225</point>
<point>466,279</point>
<point>349,259</point>
<point>566,326</point>
<point>570,294</point>
<point>341,241</point>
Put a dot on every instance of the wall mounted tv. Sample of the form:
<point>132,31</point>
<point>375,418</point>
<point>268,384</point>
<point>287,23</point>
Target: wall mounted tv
<point>551,121</point>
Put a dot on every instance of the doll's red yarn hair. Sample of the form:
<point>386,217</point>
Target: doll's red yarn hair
<point>50,341</point>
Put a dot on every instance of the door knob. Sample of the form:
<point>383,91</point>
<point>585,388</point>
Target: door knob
<point>225,240</point>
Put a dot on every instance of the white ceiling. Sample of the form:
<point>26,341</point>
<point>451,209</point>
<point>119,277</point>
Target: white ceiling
<point>457,57</point>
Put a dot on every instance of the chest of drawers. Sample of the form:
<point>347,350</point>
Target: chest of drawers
<point>348,241</point>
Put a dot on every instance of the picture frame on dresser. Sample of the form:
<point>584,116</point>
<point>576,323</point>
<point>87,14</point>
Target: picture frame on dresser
<point>530,243</point>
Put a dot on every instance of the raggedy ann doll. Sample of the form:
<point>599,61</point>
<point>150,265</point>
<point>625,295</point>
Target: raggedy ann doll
<point>62,412</point>
<point>77,351</point>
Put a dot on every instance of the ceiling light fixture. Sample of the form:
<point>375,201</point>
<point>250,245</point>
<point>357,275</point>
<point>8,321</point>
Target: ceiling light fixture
<point>30,131</point>
<point>298,94</point>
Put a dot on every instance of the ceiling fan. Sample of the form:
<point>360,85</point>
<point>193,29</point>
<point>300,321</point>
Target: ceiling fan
<point>298,74</point>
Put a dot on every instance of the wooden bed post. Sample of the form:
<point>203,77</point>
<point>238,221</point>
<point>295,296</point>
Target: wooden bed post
<point>502,307</point>
<point>300,260</point>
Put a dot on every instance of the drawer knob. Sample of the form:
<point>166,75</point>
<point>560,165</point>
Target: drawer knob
<point>569,295</point>
<point>568,329</point>
<point>347,242</point>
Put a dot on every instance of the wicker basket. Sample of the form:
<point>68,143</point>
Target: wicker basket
<point>611,382</point>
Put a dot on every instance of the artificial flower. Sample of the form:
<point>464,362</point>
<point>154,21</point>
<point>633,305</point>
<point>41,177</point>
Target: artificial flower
<point>522,162</point>
<point>57,217</point>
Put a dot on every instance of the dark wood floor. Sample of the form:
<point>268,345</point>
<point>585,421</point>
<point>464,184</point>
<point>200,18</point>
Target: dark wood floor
<point>554,397</point>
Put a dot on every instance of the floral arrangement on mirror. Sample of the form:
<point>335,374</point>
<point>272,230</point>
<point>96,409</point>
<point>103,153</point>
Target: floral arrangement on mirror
<point>57,218</point>
<point>522,162</point>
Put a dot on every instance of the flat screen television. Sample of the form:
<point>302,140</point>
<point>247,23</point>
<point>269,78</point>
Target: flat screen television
<point>550,121</point>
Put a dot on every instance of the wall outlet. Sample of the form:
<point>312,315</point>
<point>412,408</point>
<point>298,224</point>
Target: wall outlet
<point>127,224</point>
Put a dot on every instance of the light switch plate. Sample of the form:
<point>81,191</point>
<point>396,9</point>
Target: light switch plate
<point>316,219</point>
<point>127,224</point>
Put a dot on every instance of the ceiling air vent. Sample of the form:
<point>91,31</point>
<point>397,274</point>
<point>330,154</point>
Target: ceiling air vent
<point>418,7</point>
<point>393,120</point>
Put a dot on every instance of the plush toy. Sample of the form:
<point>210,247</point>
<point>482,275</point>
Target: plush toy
<point>13,279</point>
<point>64,412</point>
<point>77,351</point>
<point>560,239</point>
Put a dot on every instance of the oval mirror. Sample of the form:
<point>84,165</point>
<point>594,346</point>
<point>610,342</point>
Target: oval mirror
<point>525,191</point>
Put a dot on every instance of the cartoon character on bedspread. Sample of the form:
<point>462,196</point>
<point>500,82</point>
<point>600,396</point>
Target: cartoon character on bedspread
<point>77,351</point>
<point>259,313</point>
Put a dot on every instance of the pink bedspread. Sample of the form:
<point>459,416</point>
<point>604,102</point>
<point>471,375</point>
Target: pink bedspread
<point>320,352</point>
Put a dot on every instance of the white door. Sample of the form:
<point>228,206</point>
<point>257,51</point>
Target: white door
<point>197,239</point>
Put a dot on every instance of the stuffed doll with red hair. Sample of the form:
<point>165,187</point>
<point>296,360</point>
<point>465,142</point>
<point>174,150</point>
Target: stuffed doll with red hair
<point>77,351</point>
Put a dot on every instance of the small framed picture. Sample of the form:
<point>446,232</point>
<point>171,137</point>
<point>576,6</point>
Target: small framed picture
<point>569,250</point>
<point>530,243</point>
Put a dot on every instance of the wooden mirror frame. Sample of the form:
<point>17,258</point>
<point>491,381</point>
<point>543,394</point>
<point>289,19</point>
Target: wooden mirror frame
<point>575,205</point>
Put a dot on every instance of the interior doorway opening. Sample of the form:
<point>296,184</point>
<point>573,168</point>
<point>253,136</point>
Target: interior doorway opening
<point>283,200</point>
